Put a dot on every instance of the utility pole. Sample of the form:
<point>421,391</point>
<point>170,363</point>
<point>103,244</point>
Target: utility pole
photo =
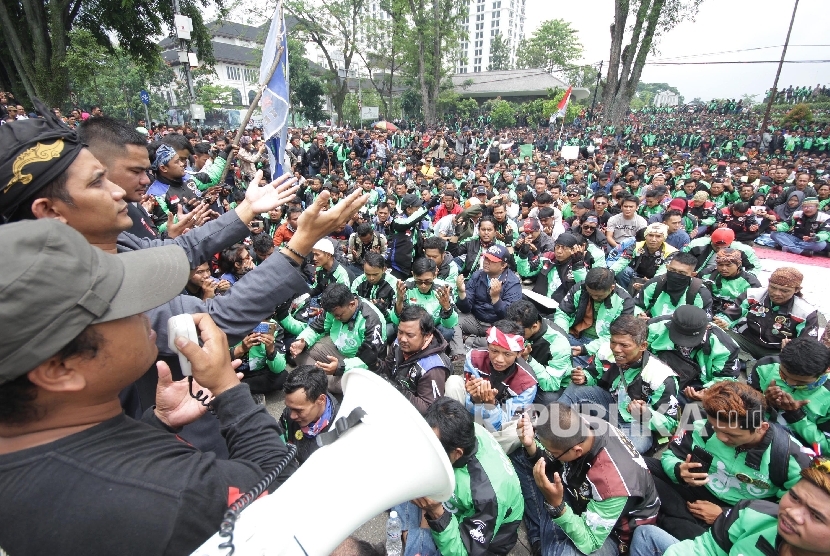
<point>596,90</point>
<point>777,74</point>
<point>183,35</point>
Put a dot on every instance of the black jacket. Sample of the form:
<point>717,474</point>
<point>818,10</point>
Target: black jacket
<point>422,376</point>
<point>291,433</point>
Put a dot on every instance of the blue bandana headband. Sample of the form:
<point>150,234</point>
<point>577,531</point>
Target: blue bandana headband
<point>164,154</point>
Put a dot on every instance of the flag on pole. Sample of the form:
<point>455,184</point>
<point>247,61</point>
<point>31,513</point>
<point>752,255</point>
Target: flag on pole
<point>275,96</point>
<point>563,104</point>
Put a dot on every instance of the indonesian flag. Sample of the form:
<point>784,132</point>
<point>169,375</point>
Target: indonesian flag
<point>563,104</point>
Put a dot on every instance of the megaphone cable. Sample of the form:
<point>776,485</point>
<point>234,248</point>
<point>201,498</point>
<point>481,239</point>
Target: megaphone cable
<point>232,513</point>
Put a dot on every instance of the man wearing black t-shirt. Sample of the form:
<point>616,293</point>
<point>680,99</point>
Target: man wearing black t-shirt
<point>100,482</point>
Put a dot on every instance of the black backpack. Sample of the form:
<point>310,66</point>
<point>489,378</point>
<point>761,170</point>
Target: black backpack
<point>660,286</point>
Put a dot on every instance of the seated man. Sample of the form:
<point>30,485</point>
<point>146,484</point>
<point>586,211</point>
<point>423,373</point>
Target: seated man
<point>588,310</point>
<point>678,286</point>
<point>700,354</point>
<point>435,248</point>
<point>642,261</point>
<point>485,511</point>
<point>416,365</point>
<point>626,376</point>
<point>705,248</point>
<point>555,272</point>
<point>547,350</point>
<point>498,385</point>
<point>376,285</point>
<point>425,290</point>
<point>485,297</point>
<point>67,352</point>
<point>765,317</point>
<point>309,409</point>
<point>796,388</point>
<point>732,455</point>
<point>327,269</point>
<point>262,353</point>
<point>728,281</point>
<point>796,525</point>
<point>349,333</point>
<point>806,232</point>
<point>584,484</point>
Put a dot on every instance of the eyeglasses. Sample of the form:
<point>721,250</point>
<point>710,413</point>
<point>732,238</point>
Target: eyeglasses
<point>547,452</point>
<point>589,228</point>
<point>424,282</point>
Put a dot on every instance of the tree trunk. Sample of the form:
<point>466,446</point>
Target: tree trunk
<point>617,34</point>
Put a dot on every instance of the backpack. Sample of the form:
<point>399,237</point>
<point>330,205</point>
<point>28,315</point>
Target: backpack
<point>660,286</point>
<point>493,153</point>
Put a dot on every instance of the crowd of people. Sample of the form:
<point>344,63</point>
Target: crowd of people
<point>588,337</point>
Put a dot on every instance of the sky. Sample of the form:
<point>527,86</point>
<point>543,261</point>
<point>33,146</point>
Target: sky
<point>720,26</point>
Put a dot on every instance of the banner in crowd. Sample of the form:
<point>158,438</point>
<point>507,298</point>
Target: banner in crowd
<point>275,95</point>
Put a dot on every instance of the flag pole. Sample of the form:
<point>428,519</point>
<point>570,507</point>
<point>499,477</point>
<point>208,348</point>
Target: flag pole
<point>263,83</point>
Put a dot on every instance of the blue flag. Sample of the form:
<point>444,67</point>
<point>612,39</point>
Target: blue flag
<point>275,96</point>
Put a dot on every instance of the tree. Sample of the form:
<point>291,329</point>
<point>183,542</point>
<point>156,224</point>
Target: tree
<point>553,46</point>
<point>749,100</point>
<point>332,25</point>
<point>499,54</point>
<point>432,37</point>
<point>36,36</point>
<point>800,114</point>
<point>502,115</point>
<point>651,18</point>
<point>306,90</point>
<point>385,49</point>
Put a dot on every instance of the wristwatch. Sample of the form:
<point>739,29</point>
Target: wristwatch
<point>555,511</point>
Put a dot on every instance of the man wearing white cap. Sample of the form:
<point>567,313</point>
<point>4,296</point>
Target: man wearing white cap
<point>641,261</point>
<point>328,270</point>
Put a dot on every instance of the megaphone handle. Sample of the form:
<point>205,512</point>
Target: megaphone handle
<point>232,513</point>
<point>340,426</point>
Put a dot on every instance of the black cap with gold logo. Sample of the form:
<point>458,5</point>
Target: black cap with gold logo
<point>35,152</point>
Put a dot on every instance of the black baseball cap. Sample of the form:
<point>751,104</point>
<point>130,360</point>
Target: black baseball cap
<point>688,326</point>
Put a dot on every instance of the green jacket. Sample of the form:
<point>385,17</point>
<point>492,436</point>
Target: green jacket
<point>429,302</point>
<point>811,423</point>
<point>572,309</point>
<point>361,341</point>
<point>550,357</point>
<point>701,248</point>
<point>483,515</point>
<point>653,382</point>
<point>728,465</point>
<point>258,359</point>
<point>726,291</point>
<point>748,529</point>
<point>716,359</point>
<point>653,300</point>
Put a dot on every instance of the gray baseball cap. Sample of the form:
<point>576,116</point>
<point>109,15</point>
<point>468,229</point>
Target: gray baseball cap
<point>55,284</point>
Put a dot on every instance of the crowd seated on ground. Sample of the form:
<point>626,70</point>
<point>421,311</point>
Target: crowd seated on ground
<point>591,339</point>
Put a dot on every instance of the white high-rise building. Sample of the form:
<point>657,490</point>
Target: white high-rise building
<point>486,19</point>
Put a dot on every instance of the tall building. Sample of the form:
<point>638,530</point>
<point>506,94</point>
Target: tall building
<point>485,20</point>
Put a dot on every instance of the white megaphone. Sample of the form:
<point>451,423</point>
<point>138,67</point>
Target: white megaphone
<point>390,457</point>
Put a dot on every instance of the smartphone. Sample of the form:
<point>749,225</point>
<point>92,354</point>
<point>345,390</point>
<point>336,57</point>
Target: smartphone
<point>262,328</point>
<point>257,224</point>
<point>704,458</point>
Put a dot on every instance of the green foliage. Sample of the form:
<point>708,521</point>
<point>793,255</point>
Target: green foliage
<point>800,114</point>
<point>37,37</point>
<point>109,79</point>
<point>306,89</point>
<point>499,54</point>
<point>553,46</point>
<point>502,115</point>
<point>434,31</point>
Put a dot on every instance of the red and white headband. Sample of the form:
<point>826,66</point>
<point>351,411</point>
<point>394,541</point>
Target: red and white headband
<point>513,342</point>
